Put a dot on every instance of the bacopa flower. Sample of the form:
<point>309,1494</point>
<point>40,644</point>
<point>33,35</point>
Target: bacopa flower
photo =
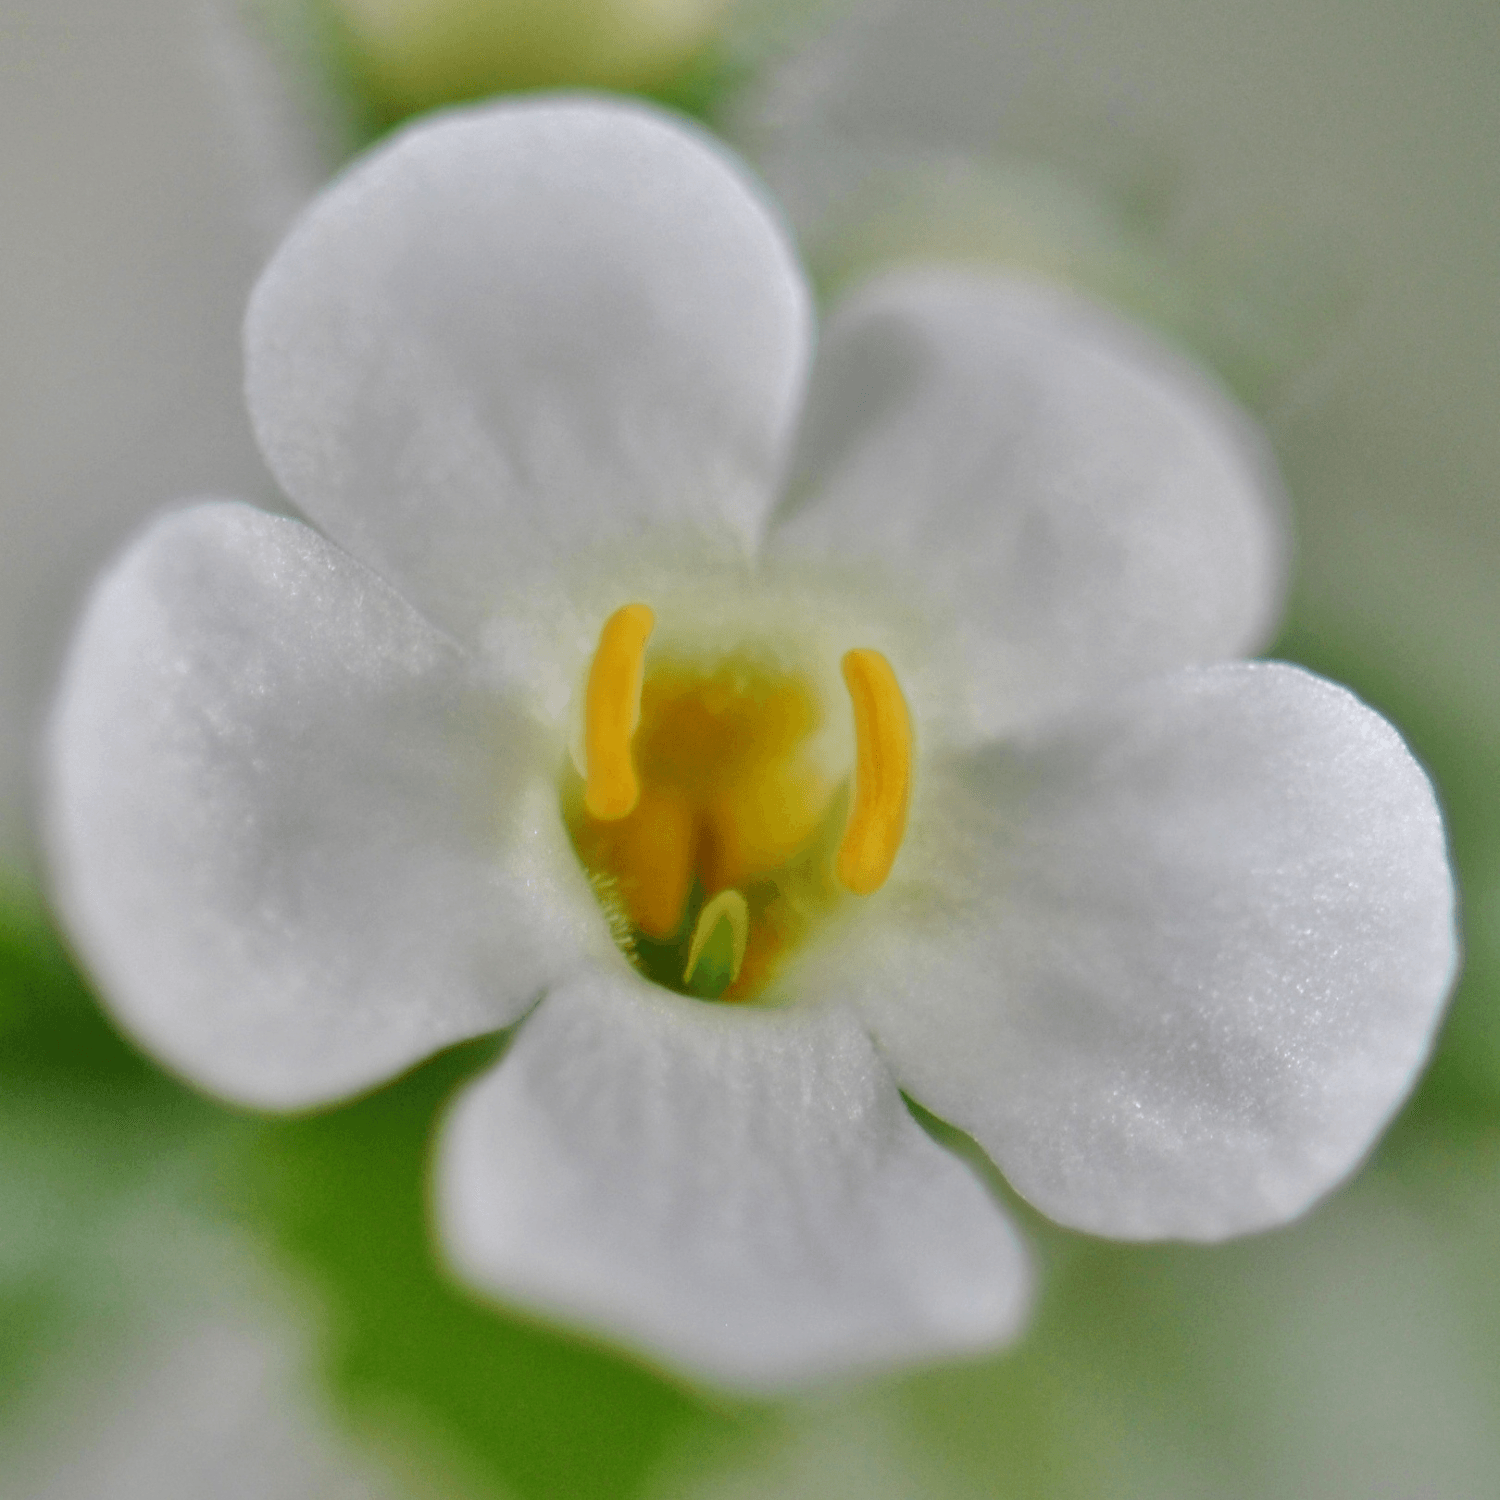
<point>764,782</point>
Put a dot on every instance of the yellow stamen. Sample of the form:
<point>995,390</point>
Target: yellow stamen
<point>727,906</point>
<point>706,815</point>
<point>882,773</point>
<point>612,709</point>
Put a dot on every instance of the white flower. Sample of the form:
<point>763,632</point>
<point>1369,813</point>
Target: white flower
<point>1168,939</point>
<point>131,236</point>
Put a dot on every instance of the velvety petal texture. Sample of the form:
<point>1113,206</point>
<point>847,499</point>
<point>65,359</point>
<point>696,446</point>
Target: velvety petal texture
<point>1079,506</point>
<point>523,332</point>
<point>1174,964</point>
<point>299,845</point>
<point>740,1192</point>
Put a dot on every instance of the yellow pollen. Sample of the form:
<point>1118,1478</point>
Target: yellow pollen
<point>612,709</point>
<point>882,773</point>
<point>715,833</point>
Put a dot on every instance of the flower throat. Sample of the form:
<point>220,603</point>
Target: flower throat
<point>712,836</point>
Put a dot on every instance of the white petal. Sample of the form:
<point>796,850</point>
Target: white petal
<point>523,331</point>
<point>299,848</point>
<point>1175,965</point>
<point>738,1192</point>
<point>1084,506</point>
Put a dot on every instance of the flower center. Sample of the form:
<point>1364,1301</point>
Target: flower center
<point>713,836</point>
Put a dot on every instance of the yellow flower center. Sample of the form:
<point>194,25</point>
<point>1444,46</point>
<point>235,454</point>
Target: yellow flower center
<point>712,835</point>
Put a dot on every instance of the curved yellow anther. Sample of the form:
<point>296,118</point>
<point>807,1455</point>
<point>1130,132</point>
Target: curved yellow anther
<point>882,773</point>
<point>612,708</point>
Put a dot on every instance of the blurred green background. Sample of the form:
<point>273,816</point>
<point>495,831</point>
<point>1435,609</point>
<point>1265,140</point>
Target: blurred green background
<point>199,1302</point>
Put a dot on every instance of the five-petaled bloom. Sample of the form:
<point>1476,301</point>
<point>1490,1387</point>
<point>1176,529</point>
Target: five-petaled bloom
<point>763,778</point>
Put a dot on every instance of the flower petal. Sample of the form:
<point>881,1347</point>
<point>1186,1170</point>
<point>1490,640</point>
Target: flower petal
<point>298,845</point>
<point>1084,506</point>
<point>1174,965</point>
<point>523,331</point>
<point>741,1193</point>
